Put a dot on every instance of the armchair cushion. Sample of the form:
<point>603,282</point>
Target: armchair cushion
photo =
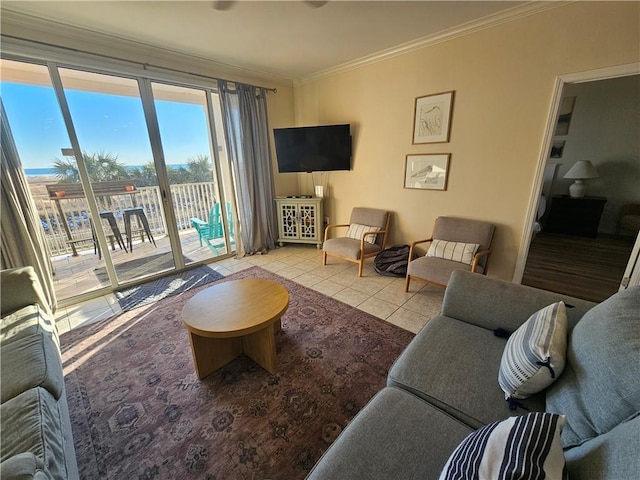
<point>437,270</point>
<point>349,247</point>
<point>455,251</point>
<point>356,230</point>
<point>467,231</point>
<point>370,216</point>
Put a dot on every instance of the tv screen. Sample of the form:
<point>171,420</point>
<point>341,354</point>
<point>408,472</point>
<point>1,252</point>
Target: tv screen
<point>313,149</point>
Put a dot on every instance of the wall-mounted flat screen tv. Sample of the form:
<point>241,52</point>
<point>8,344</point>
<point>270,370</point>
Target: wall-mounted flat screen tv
<point>313,149</point>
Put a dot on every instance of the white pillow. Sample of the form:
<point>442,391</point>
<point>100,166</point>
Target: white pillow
<point>456,251</point>
<point>534,355</point>
<point>526,446</point>
<point>356,230</point>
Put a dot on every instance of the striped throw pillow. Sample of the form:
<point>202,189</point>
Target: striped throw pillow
<point>456,251</point>
<point>356,230</point>
<point>534,355</point>
<point>526,446</point>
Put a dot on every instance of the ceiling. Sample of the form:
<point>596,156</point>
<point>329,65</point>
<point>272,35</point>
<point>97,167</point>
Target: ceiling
<point>284,39</point>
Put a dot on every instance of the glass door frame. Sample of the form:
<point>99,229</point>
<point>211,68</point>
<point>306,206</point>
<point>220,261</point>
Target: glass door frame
<point>146,96</point>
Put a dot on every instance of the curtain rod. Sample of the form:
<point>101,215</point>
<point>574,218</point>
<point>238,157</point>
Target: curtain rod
<point>143,65</point>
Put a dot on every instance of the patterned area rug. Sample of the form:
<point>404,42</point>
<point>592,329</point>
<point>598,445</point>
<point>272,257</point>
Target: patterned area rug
<point>139,412</point>
<point>152,292</point>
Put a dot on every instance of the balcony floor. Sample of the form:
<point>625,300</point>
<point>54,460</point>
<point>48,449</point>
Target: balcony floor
<point>77,275</point>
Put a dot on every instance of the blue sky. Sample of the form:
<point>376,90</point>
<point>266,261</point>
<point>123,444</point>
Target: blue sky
<point>112,124</point>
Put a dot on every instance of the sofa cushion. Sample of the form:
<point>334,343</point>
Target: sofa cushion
<point>473,299</point>
<point>600,387</point>
<point>395,436</point>
<point>23,466</point>
<point>356,230</point>
<point>454,365</point>
<point>31,361</point>
<point>21,287</point>
<point>454,251</point>
<point>527,446</point>
<point>26,321</point>
<point>535,353</point>
<point>613,454</point>
<point>32,422</point>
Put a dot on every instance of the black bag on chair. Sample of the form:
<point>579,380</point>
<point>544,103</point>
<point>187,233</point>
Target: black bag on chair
<point>392,262</point>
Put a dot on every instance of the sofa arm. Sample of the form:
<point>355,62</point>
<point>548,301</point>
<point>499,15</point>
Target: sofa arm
<point>21,287</point>
<point>23,466</point>
<point>492,303</point>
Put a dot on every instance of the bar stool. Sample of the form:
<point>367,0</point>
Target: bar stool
<point>139,212</point>
<point>115,235</point>
<point>114,228</point>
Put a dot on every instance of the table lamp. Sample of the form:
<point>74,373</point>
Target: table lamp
<point>579,171</point>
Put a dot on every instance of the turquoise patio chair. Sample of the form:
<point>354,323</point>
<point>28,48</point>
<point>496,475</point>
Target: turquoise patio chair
<point>213,230</point>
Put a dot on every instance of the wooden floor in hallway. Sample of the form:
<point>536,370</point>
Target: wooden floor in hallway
<point>587,268</point>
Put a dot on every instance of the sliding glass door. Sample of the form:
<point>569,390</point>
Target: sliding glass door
<point>110,125</point>
<point>40,135</point>
<point>197,177</point>
<point>137,181</point>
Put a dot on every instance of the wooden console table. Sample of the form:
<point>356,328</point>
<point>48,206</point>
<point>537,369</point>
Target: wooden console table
<point>575,216</point>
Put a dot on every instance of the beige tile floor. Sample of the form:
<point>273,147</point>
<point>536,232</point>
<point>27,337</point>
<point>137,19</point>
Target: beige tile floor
<point>381,296</point>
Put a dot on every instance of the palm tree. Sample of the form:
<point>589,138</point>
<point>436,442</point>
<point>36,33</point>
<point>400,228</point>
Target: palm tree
<point>100,166</point>
<point>200,169</point>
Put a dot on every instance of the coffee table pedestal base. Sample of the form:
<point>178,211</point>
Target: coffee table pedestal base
<point>209,354</point>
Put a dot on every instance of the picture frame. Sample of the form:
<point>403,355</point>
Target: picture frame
<point>565,111</point>
<point>427,171</point>
<point>432,118</point>
<point>557,147</point>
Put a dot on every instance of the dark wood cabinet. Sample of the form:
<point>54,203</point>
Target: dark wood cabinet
<point>575,216</point>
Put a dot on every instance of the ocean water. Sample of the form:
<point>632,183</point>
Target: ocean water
<point>32,172</point>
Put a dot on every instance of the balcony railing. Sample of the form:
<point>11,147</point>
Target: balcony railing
<point>189,200</point>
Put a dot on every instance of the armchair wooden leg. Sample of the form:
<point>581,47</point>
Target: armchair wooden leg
<point>324,258</point>
<point>360,263</point>
<point>406,283</point>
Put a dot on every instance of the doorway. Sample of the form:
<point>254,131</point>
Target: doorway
<point>574,245</point>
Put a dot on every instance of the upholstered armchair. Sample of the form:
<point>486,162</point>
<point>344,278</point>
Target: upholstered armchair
<point>365,237</point>
<point>455,244</point>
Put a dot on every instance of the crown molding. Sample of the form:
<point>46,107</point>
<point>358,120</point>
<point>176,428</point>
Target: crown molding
<point>505,16</point>
<point>19,30</point>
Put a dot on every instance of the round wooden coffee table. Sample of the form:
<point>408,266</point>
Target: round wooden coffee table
<point>232,318</point>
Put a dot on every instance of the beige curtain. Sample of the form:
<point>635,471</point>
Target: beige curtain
<point>245,118</point>
<point>22,236</point>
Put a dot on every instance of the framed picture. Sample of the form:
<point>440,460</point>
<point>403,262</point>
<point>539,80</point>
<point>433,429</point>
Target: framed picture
<point>557,148</point>
<point>565,112</point>
<point>427,171</point>
<point>432,118</point>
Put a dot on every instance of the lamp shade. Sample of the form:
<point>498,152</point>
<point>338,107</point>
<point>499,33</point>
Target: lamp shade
<point>582,169</point>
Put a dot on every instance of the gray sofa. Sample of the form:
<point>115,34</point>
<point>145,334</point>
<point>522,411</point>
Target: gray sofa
<point>444,386</point>
<point>36,430</point>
